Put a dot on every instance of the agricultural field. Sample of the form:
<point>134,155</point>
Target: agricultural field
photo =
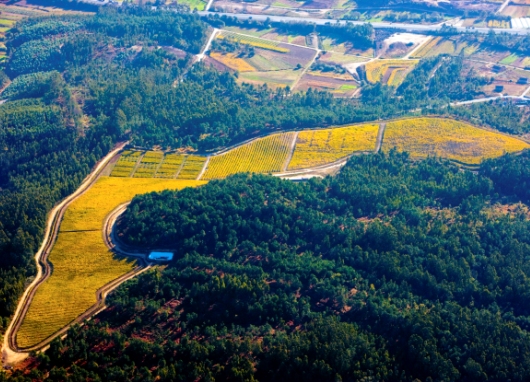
<point>170,166</point>
<point>329,44</point>
<point>319,147</point>
<point>272,34</point>
<point>450,139</point>
<point>264,155</point>
<point>125,166</point>
<point>516,10</point>
<point>192,167</point>
<point>340,85</point>
<point>199,5</point>
<point>390,72</point>
<point>506,79</point>
<point>253,41</point>
<point>233,62</point>
<point>81,261</point>
<point>273,63</point>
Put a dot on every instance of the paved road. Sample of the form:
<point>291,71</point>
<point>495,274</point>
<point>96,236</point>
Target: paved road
<point>379,25</point>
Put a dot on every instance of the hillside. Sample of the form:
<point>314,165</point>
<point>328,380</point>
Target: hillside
<point>385,271</point>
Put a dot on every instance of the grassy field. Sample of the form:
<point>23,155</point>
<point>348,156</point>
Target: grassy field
<point>264,155</point>
<point>318,147</point>
<point>81,262</point>
<point>376,70</point>
<point>423,137</point>
<point>253,41</point>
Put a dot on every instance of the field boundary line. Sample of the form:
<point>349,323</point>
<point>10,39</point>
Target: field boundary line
<point>180,167</point>
<point>291,152</point>
<point>427,40</point>
<point>203,170</point>
<point>306,68</point>
<point>380,134</point>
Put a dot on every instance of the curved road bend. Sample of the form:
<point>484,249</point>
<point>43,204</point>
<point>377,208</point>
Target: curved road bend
<point>377,25</point>
<point>10,352</point>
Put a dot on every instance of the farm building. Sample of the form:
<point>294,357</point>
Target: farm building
<point>161,256</point>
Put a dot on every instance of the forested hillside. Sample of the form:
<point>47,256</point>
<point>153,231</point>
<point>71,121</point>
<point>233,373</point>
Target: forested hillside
<point>393,270</point>
<point>78,84</point>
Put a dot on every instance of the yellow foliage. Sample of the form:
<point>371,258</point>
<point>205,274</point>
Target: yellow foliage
<point>81,262</point>
<point>263,155</point>
<point>450,139</point>
<point>375,70</point>
<point>318,147</point>
<point>233,62</point>
<point>192,167</point>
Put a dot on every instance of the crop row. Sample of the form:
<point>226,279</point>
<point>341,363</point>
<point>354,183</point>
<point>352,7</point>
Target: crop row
<point>319,147</point>
<point>261,156</point>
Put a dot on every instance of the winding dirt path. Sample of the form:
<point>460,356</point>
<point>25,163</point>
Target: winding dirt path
<point>10,352</point>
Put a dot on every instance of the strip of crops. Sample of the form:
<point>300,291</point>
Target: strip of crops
<point>319,147</point>
<point>253,41</point>
<point>264,155</point>
<point>450,139</point>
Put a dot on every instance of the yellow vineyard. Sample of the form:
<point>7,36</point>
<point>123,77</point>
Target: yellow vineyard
<point>157,164</point>
<point>318,147</point>
<point>383,70</point>
<point>423,137</point>
<point>262,155</point>
<point>81,261</point>
<point>233,62</point>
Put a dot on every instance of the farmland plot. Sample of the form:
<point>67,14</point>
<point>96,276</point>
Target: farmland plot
<point>192,167</point>
<point>81,261</point>
<point>390,72</point>
<point>339,85</point>
<point>319,147</point>
<point>264,155</point>
<point>506,79</point>
<point>272,63</point>
<point>450,139</point>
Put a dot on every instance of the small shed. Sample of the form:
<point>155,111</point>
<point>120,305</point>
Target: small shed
<point>160,256</point>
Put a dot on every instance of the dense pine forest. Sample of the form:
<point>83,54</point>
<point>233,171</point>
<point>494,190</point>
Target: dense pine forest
<point>392,270</point>
<point>397,264</point>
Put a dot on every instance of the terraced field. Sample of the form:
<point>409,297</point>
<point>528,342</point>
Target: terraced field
<point>450,139</point>
<point>265,155</point>
<point>318,147</point>
<point>388,71</point>
<point>81,261</point>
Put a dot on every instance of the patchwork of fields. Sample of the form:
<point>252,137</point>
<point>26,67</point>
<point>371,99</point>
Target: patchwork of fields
<point>156,164</point>
<point>81,261</point>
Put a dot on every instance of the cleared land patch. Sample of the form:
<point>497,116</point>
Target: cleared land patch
<point>264,155</point>
<point>318,147</point>
<point>423,137</point>
<point>81,261</point>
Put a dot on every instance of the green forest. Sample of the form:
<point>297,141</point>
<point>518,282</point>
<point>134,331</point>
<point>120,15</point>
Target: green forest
<point>410,270</point>
<point>392,270</point>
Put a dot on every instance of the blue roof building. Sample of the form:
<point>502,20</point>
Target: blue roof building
<point>160,256</point>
